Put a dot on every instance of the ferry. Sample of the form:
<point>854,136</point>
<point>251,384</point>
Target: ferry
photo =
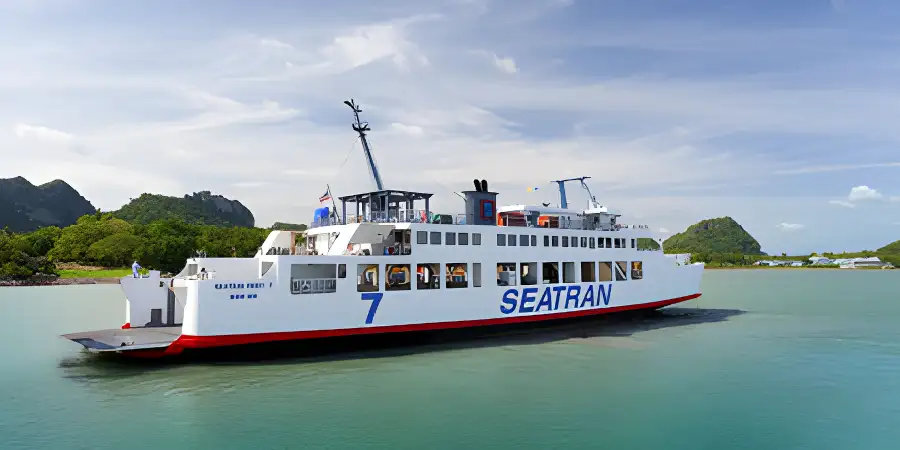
<point>385,264</point>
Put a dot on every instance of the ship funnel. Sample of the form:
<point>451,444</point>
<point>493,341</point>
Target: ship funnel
<point>481,205</point>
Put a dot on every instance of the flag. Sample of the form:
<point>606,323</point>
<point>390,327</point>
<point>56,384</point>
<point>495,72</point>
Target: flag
<point>532,189</point>
<point>325,197</point>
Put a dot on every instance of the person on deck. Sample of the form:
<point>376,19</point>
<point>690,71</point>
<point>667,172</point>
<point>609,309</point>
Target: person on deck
<point>134,270</point>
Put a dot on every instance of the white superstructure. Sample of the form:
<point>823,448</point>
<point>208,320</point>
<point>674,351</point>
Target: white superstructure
<point>394,266</point>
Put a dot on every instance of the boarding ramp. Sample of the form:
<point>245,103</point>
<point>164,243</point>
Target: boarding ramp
<point>126,339</point>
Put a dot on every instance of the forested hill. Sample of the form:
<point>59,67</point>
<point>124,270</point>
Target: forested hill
<point>25,207</point>
<point>200,208</point>
<point>892,249</point>
<point>720,235</point>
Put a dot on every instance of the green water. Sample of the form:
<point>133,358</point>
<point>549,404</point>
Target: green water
<point>812,362</point>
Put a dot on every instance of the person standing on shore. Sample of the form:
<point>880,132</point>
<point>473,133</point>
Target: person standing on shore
<point>134,269</point>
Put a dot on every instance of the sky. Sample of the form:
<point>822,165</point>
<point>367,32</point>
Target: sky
<point>780,114</point>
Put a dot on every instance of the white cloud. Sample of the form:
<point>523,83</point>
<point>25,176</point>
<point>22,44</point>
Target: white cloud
<point>507,65</point>
<point>842,203</point>
<point>407,129</point>
<point>42,133</point>
<point>663,230</point>
<point>858,193</point>
<point>790,226</point>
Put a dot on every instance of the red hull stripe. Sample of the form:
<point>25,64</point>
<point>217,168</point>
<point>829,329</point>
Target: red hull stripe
<point>187,341</point>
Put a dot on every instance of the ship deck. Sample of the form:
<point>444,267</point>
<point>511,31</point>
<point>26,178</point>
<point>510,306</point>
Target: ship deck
<point>117,339</point>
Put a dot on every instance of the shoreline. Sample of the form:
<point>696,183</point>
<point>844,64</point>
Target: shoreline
<point>59,282</point>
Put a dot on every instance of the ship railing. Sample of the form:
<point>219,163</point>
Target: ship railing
<point>313,285</point>
<point>323,222</point>
<point>402,216</point>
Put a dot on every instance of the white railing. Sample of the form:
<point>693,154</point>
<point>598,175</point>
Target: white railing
<point>313,285</point>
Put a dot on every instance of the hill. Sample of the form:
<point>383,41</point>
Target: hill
<point>891,249</point>
<point>199,208</point>
<point>25,207</point>
<point>720,235</point>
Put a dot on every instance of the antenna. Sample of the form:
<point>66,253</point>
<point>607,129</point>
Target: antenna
<point>361,128</point>
<point>563,202</point>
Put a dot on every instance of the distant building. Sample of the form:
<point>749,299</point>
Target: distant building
<point>854,263</point>
<point>820,261</point>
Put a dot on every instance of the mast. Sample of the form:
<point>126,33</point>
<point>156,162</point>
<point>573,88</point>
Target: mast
<point>361,128</point>
<point>563,201</point>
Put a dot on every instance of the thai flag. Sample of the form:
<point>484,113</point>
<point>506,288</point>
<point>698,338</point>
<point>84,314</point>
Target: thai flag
<point>325,197</point>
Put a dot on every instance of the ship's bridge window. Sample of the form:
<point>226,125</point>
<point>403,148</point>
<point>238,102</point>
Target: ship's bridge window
<point>621,270</point>
<point>428,276</point>
<point>637,270</point>
<point>396,277</point>
<point>367,277</point>
<point>476,238</point>
<point>551,272</point>
<point>457,275</point>
<point>606,273</point>
<point>528,273</point>
<point>421,237</point>
<point>501,240</point>
<point>462,238</point>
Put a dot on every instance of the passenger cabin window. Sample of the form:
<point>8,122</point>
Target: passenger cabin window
<point>367,277</point>
<point>565,240</point>
<point>592,243</point>
<point>533,240</point>
<point>551,272</point>
<point>588,272</point>
<point>342,271</point>
<point>449,238</point>
<point>608,242</point>
<point>546,241</point>
<point>511,240</point>
<point>600,243</point>
<point>523,240</point>
<point>637,270</point>
<point>421,237</point>
<point>476,238</point>
<point>555,240</point>
<point>313,278</point>
<point>506,274</point>
<point>574,241</point>
<point>606,271</point>
<point>435,238</point>
<point>584,242</point>
<point>621,267</point>
<point>457,275</point>
<point>501,240</point>
<point>462,238</point>
<point>569,273</point>
<point>428,276</point>
<point>632,243</point>
<point>396,277</point>
<point>528,273</point>
<point>476,274</point>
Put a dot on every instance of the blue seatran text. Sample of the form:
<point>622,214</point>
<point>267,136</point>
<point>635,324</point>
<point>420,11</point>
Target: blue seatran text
<point>555,297</point>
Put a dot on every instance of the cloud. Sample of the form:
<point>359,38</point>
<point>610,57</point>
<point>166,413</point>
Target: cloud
<point>507,65</point>
<point>858,193</point>
<point>835,168</point>
<point>42,133</point>
<point>843,203</point>
<point>790,226</point>
<point>663,230</point>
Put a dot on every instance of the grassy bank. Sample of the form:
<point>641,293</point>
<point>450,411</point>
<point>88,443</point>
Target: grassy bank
<point>97,273</point>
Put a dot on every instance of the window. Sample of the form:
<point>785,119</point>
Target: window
<point>621,267</point>
<point>533,240</point>
<point>476,238</point>
<point>435,238</point>
<point>632,243</point>
<point>608,242</point>
<point>421,237</point>
<point>574,241</point>
<point>487,209</point>
<point>592,243</point>
<point>501,240</point>
<point>462,238</point>
<point>310,279</point>
<point>546,241</point>
<point>511,240</point>
<point>584,242</point>
<point>506,274</point>
<point>569,272</point>
<point>605,271</point>
<point>457,275</point>
<point>551,272</point>
<point>555,240</point>
<point>476,274</point>
<point>565,240</point>
<point>396,277</point>
<point>588,272</point>
<point>600,243</point>
<point>449,238</point>
<point>428,277</point>
<point>528,273</point>
<point>637,270</point>
<point>342,271</point>
<point>523,240</point>
<point>366,277</point>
